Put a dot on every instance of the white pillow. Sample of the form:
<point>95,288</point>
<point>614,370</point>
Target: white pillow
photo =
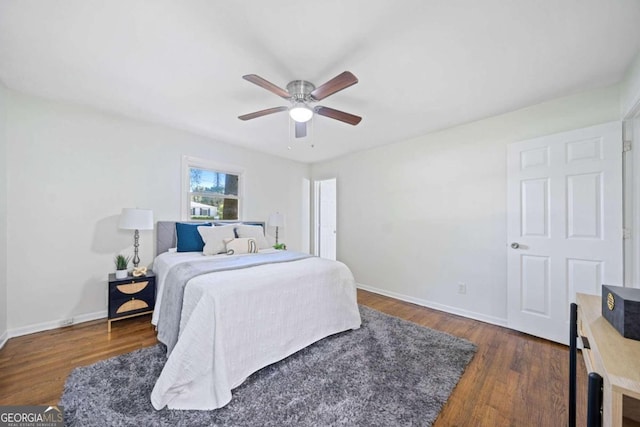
<point>213,238</point>
<point>254,231</point>
<point>241,246</point>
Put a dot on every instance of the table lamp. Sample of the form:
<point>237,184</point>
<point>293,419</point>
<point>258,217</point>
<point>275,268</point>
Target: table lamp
<point>136,219</point>
<point>276,220</point>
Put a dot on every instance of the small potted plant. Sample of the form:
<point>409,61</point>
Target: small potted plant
<point>122,263</point>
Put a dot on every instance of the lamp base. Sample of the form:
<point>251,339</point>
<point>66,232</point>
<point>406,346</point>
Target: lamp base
<point>136,258</point>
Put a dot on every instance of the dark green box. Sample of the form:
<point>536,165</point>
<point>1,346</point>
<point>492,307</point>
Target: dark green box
<point>621,307</point>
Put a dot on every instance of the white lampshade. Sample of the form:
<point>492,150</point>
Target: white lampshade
<point>276,220</point>
<point>301,113</point>
<point>136,219</point>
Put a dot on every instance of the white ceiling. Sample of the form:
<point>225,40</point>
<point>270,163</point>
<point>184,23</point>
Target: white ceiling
<point>423,65</point>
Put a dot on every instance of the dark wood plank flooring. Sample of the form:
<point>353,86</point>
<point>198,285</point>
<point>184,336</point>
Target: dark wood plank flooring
<point>514,379</point>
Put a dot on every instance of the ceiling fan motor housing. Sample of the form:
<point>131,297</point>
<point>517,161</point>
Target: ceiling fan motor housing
<point>300,90</point>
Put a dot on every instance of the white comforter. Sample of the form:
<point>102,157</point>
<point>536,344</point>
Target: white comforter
<point>237,322</point>
<point>161,266</point>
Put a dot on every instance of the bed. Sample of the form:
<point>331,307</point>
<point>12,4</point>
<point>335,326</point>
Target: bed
<point>224,317</point>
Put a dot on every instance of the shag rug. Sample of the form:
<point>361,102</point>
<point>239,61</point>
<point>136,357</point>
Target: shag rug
<point>390,372</point>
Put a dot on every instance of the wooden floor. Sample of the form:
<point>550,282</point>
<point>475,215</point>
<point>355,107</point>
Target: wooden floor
<point>514,379</point>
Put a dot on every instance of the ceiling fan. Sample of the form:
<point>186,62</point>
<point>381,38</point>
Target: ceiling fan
<point>302,95</point>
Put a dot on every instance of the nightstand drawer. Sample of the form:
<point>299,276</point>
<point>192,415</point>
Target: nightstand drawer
<point>129,289</point>
<point>127,306</point>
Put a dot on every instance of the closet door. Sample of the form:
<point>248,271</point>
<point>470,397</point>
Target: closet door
<point>564,225</point>
<point>326,218</point>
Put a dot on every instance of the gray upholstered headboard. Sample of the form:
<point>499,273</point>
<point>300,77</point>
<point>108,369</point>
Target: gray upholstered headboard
<point>166,232</point>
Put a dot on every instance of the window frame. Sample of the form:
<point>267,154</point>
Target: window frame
<point>189,162</point>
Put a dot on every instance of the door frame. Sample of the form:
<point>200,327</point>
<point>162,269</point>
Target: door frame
<point>631,167</point>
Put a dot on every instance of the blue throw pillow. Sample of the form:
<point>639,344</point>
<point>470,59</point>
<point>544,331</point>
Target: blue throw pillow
<point>188,238</point>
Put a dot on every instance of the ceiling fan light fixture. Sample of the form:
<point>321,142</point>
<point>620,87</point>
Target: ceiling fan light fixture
<point>301,113</point>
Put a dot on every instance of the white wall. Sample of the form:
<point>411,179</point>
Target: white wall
<point>630,93</point>
<point>70,172</point>
<point>417,217</point>
<point>630,109</point>
<point>635,203</point>
<point>3,217</point>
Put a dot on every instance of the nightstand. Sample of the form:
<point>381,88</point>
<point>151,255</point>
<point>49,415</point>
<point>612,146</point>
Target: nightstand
<point>130,297</point>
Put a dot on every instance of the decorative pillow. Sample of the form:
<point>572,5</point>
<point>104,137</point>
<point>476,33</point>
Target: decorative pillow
<point>188,238</point>
<point>254,231</point>
<point>238,246</point>
<point>214,238</point>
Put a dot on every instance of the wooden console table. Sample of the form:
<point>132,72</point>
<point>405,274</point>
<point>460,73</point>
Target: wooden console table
<point>616,359</point>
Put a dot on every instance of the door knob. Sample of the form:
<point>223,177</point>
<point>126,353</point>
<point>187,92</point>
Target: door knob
<point>515,245</point>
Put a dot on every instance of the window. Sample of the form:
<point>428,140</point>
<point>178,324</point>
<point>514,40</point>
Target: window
<point>213,192</point>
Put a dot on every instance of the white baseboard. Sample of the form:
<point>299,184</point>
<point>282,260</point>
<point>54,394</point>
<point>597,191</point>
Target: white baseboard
<point>54,324</point>
<point>436,306</point>
<point>3,339</point>
<point>26,330</point>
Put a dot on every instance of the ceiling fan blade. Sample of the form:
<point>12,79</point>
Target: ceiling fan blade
<point>338,115</point>
<point>257,80</point>
<point>262,113</point>
<point>301,129</point>
<point>336,84</point>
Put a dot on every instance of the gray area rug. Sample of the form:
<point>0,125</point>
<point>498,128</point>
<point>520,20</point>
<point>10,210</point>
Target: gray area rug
<point>390,372</point>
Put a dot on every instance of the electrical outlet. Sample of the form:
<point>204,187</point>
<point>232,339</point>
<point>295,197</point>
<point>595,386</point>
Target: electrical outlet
<point>67,322</point>
<point>462,288</point>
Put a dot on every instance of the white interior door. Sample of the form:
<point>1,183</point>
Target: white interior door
<point>564,225</point>
<point>326,218</point>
